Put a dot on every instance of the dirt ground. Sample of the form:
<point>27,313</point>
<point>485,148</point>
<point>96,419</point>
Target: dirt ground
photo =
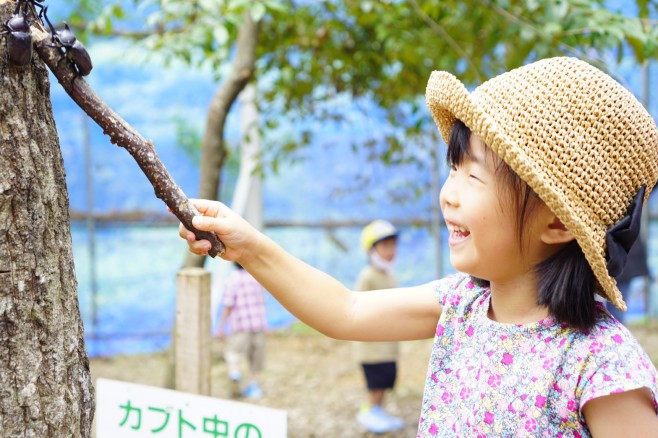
<point>316,381</point>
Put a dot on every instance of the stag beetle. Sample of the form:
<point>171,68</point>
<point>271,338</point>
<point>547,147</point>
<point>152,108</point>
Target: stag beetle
<point>17,32</point>
<point>74,50</point>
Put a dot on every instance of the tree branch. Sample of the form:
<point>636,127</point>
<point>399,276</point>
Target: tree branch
<point>121,134</point>
<point>437,28</point>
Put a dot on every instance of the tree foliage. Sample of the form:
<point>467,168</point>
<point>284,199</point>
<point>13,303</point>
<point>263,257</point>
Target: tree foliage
<point>383,51</point>
<point>376,53</point>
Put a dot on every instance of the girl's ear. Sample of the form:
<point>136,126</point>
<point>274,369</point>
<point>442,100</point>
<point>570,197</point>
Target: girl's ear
<point>556,233</point>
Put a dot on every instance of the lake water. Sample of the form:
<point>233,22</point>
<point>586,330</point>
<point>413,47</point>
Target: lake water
<point>133,306</point>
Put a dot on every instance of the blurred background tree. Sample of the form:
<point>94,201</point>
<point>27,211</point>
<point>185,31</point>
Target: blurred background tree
<point>308,54</point>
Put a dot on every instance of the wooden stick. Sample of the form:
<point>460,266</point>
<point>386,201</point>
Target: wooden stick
<point>121,134</point>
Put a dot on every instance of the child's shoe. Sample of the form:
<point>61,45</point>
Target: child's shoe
<point>395,423</point>
<point>252,391</point>
<point>373,421</point>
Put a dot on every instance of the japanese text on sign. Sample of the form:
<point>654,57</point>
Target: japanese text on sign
<point>131,410</point>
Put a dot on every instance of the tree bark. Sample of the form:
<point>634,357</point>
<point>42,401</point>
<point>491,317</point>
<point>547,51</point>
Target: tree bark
<point>213,148</point>
<point>45,383</point>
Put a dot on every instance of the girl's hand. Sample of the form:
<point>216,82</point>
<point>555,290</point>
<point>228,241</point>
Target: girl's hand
<point>238,236</point>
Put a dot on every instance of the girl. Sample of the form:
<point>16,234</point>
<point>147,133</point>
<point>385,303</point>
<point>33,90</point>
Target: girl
<point>551,164</point>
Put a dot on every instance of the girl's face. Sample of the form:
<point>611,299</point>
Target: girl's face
<point>484,238</point>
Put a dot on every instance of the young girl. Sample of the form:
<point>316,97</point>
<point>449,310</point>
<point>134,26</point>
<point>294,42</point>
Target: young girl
<point>550,164</point>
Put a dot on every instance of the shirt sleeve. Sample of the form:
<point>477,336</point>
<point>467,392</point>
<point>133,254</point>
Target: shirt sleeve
<point>617,363</point>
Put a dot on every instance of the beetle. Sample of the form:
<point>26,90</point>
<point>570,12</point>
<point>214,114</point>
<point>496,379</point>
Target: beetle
<point>16,30</point>
<point>74,50</point>
<point>37,4</point>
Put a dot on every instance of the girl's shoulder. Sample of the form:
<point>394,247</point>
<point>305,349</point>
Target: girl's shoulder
<point>611,360</point>
<point>607,340</point>
<point>606,326</point>
<point>607,335</point>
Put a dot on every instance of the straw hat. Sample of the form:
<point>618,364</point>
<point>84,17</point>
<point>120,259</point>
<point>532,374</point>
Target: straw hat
<point>579,139</point>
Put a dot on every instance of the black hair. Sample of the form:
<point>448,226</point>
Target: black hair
<point>566,282</point>
<point>566,285</point>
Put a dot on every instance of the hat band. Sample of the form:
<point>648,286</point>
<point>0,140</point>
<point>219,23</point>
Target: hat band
<point>622,235</point>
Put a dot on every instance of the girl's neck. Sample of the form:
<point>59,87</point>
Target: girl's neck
<point>515,302</point>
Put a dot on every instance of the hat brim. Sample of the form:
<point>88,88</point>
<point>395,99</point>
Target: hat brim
<point>449,100</point>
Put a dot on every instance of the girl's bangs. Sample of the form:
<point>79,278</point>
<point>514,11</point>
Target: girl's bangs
<point>458,144</point>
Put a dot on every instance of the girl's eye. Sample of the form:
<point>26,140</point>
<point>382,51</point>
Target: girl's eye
<point>471,176</point>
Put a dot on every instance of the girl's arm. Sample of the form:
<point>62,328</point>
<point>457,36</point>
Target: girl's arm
<point>629,414</point>
<point>314,297</point>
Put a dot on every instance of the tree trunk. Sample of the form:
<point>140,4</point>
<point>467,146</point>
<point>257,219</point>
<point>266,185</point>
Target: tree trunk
<point>213,149</point>
<point>45,383</point>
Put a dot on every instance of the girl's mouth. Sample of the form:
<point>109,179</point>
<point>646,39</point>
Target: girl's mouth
<point>457,234</point>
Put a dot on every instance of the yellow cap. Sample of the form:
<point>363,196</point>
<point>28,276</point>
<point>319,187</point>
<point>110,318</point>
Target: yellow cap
<point>376,231</point>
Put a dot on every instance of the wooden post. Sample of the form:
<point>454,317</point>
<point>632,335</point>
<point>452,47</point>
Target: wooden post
<point>193,331</point>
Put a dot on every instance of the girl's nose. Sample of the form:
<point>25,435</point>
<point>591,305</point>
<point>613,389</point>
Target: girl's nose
<point>449,195</point>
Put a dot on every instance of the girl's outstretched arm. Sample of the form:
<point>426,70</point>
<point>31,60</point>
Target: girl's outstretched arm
<point>629,414</point>
<point>314,297</point>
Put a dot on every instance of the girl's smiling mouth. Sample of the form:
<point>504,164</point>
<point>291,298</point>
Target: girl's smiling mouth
<point>457,233</point>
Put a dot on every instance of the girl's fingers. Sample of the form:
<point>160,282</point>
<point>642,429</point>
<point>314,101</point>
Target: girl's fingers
<point>210,208</point>
<point>213,217</point>
<point>200,247</point>
<point>185,233</point>
<point>204,223</point>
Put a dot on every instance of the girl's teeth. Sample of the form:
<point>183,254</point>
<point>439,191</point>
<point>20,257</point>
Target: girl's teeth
<point>459,231</point>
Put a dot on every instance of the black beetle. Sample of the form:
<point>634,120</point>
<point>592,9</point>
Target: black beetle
<point>74,50</point>
<point>37,4</point>
<point>17,32</point>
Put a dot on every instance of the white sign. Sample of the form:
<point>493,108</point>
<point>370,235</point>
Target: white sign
<point>130,410</point>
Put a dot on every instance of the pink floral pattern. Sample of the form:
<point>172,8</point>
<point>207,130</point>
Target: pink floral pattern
<point>505,380</point>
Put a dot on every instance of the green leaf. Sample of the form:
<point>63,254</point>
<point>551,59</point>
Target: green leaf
<point>274,5</point>
<point>258,11</point>
<point>221,35</point>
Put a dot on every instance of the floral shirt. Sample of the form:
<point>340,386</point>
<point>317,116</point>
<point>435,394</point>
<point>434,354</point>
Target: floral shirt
<point>488,379</point>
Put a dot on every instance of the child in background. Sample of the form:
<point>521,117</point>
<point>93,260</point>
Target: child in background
<point>244,308</point>
<point>550,166</point>
<point>378,360</point>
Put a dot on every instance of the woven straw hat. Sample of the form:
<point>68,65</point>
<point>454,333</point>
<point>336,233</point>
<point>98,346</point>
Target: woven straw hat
<point>579,139</point>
